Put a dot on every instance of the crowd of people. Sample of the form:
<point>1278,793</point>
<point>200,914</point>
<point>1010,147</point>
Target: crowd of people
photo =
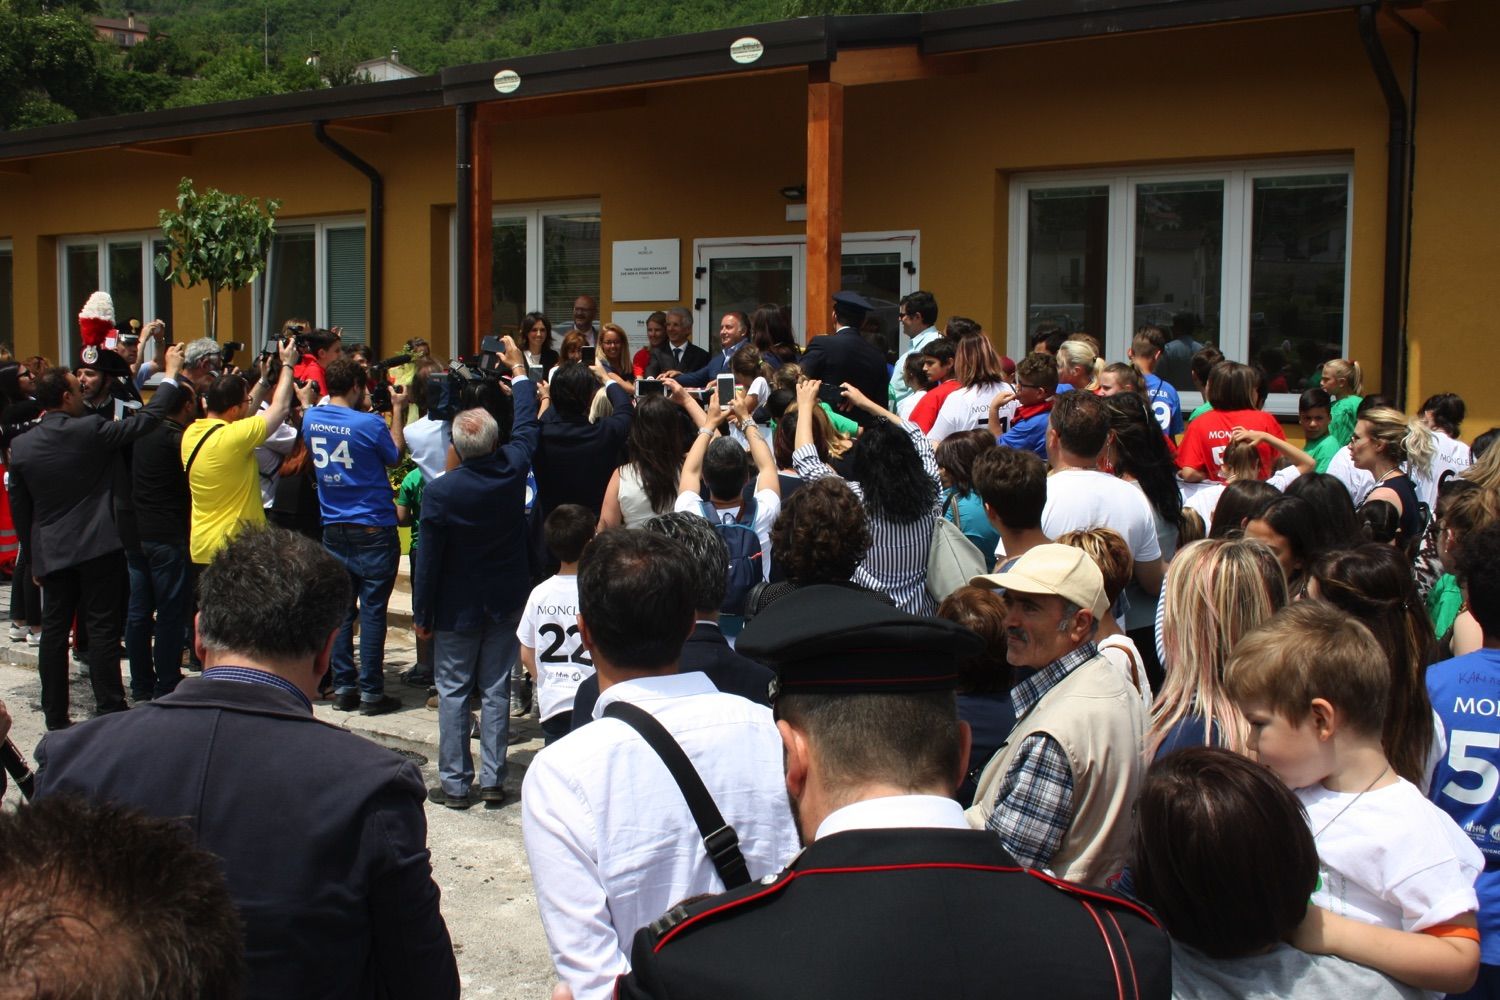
<point>1070,686</point>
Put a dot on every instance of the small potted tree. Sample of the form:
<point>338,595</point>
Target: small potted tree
<point>219,239</point>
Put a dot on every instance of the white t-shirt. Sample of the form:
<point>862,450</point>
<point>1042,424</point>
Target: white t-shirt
<point>1358,482</point>
<point>1392,858</point>
<point>1079,499</point>
<point>966,409</point>
<point>1205,502</point>
<point>906,405</point>
<point>767,506</point>
<point>549,625</point>
<point>1449,458</point>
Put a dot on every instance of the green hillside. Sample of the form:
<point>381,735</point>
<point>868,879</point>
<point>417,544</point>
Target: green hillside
<point>54,69</point>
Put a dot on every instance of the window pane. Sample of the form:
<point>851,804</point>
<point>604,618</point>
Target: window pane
<point>508,277</point>
<point>1297,276</point>
<point>82,264</point>
<point>7,299</point>
<point>344,262</point>
<point>127,283</point>
<point>162,307</point>
<point>1179,254</point>
<point>743,283</point>
<point>292,280</point>
<point>877,276</point>
<point>1068,237</point>
<point>570,262</point>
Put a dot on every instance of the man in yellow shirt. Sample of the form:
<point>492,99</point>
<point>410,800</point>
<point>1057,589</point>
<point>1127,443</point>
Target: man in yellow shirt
<point>219,455</point>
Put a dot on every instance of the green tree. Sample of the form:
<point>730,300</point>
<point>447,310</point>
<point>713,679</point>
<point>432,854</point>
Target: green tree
<point>215,238</point>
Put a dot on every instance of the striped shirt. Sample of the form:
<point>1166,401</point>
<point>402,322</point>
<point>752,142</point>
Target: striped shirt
<point>896,563</point>
<point>1035,806</point>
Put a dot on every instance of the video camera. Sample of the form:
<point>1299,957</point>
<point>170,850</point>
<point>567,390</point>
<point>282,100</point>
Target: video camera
<point>470,382</point>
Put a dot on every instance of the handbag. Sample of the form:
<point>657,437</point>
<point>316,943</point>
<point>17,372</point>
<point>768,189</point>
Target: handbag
<point>952,560</point>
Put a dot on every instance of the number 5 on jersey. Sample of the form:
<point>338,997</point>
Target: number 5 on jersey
<point>322,456</point>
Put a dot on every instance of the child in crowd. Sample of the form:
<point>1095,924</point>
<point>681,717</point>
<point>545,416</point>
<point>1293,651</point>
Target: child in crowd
<point>549,623</point>
<point>1314,407</point>
<point>1396,874</point>
<point>1036,383</point>
<point>409,515</point>
<point>1461,690</point>
<point>1234,390</point>
<point>1341,380</point>
<point>914,369</point>
<point>1119,377</point>
<point>748,369</point>
<point>1200,367</point>
<point>1145,354</point>
<point>938,360</point>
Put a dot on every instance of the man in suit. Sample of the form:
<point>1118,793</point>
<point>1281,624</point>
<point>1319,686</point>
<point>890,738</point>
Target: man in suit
<point>62,475</point>
<point>321,833</point>
<point>734,333</point>
<point>471,585</point>
<point>576,456</point>
<point>706,650</point>
<point>679,354</point>
<point>873,750</point>
<point>845,355</point>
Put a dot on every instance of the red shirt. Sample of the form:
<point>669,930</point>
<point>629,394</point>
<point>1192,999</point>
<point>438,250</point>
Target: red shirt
<point>925,413</point>
<point>308,369</point>
<point>1203,445</point>
<point>640,361</point>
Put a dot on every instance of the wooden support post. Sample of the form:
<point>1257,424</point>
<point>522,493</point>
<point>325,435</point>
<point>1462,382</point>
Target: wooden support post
<point>481,229</point>
<point>825,196</point>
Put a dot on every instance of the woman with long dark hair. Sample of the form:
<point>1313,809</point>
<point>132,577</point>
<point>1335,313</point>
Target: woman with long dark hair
<point>1374,584</point>
<point>1137,453</point>
<point>536,341</point>
<point>646,485</point>
<point>896,479</point>
<point>772,334</point>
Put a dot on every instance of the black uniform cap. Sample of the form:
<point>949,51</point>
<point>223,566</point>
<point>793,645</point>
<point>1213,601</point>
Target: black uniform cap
<point>836,640</point>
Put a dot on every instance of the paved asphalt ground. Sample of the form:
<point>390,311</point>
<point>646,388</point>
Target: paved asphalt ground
<point>478,858</point>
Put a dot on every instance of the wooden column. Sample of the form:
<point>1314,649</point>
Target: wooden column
<point>825,196</point>
<point>481,226</point>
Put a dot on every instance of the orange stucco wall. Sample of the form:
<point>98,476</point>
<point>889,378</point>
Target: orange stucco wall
<point>707,159</point>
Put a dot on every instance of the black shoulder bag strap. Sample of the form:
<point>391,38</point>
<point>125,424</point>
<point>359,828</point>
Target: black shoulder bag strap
<point>719,838</point>
<point>187,470</point>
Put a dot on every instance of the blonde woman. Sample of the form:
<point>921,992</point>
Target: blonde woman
<point>1388,446</point>
<point>1342,379</point>
<point>1078,365</point>
<point>1217,591</point>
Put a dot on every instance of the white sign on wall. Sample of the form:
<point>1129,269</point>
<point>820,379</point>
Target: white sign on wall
<point>646,271</point>
<point>634,325</point>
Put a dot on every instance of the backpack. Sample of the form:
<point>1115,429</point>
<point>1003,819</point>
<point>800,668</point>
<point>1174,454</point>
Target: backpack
<point>745,557</point>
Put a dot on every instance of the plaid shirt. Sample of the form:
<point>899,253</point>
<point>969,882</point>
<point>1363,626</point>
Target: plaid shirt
<point>1035,806</point>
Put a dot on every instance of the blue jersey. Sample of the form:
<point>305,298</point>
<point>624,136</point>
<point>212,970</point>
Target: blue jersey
<point>1465,693</point>
<point>1028,434</point>
<point>1165,404</point>
<point>351,451</point>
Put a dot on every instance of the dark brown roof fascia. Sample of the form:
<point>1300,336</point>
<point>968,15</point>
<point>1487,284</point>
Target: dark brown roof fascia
<point>358,101</point>
<point>1024,22</point>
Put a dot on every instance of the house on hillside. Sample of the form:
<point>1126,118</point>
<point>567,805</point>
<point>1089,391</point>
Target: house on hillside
<point>383,69</point>
<point>1244,164</point>
<point>123,33</point>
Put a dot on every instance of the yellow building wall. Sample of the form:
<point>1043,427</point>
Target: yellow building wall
<point>1455,240</point>
<point>707,159</point>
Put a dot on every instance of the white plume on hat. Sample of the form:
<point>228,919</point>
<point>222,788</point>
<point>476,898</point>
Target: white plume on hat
<point>99,306</point>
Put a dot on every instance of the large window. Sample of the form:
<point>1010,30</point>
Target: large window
<point>744,273</point>
<point>1249,258</point>
<point>7,296</point>
<point>122,265</point>
<point>542,258</point>
<point>317,272</point>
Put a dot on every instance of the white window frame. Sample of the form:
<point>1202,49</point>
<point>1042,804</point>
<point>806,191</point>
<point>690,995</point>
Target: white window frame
<point>705,332</point>
<point>1234,310</point>
<point>67,312</point>
<point>533,212</point>
<point>319,227</point>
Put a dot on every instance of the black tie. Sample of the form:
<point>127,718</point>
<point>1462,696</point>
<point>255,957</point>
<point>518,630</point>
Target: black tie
<point>677,352</point>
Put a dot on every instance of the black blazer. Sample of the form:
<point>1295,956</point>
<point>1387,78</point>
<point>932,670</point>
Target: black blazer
<point>845,356</point>
<point>706,650</point>
<point>62,478</point>
<point>321,832</point>
<point>662,360</point>
<point>574,461</point>
<point>967,919</point>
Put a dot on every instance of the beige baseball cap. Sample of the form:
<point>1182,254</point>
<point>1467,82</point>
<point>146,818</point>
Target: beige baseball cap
<point>1063,570</point>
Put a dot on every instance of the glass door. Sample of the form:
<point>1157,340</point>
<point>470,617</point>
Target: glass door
<point>743,274</point>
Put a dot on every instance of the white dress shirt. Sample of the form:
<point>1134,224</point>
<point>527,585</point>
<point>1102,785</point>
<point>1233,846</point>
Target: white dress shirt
<point>428,442</point>
<point>611,842</point>
<point>895,812</point>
